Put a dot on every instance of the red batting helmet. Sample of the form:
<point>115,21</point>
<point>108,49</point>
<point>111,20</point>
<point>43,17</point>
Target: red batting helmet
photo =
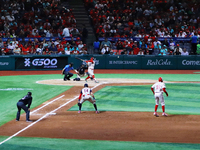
<point>92,59</point>
<point>160,79</point>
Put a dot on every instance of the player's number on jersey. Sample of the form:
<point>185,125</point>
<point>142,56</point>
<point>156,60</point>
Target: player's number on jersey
<point>158,87</point>
<point>85,90</point>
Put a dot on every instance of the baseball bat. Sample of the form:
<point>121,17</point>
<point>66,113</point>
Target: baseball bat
<point>79,58</point>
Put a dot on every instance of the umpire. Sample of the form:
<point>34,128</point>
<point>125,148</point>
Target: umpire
<point>21,104</point>
<point>66,72</point>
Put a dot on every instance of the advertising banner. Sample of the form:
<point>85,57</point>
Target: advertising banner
<point>159,62</point>
<point>115,62</point>
<point>43,62</point>
<point>132,62</point>
<point>100,62</point>
<point>6,63</point>
<point>188,62</point>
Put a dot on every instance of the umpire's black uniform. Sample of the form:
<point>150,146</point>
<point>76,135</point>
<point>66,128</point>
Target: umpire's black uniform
<point>21,104</point>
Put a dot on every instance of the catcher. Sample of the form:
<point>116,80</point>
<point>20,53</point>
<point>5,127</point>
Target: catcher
<point>86,95</point>
<point>81,72</point>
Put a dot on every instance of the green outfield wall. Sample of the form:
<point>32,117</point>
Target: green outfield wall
<point>57,62</point>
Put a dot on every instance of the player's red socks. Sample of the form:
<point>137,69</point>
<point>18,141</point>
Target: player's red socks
<point>88,77</point>
<point>156,107</point>
<point>163,108</point>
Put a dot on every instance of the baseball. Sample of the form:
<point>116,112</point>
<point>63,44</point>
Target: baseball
<point>117,56</point>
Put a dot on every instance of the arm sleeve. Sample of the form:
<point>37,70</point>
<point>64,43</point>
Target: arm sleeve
<point>164,89</point>
<point>152,89</point>
<point>80,96</point>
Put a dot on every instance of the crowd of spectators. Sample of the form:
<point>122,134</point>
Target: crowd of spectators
<point>145,18</point>
<point>20,19</point>
<point>35,18</point>
<point>130,47</point>
<point>35,47</point>
<point>136,18</point>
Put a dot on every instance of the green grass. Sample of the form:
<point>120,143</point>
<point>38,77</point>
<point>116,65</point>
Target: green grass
<point>183,99</point>
<point>13,88</point>
<point>166,77</point>
<point>25,143</point>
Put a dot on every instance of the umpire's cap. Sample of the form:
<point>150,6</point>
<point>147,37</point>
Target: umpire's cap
<point>71,63</point>
<point>29,93</point>
<point>85,85</point>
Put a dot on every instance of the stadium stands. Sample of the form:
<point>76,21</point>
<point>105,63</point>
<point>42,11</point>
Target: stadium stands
<point>151,23</point>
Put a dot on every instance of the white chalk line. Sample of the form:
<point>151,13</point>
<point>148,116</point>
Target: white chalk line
<point>47,114</point>
<point>47,104</point>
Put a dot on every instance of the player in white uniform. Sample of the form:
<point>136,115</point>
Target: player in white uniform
<point>91,64</point>
<point>86,95</point>
<point>158,88</point>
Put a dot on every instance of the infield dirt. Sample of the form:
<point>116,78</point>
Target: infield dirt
<point>116,126</point>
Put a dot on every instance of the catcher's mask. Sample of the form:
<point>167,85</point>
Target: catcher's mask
<point>160,79</point>
<point>29,93</point>
<point>85,85</point>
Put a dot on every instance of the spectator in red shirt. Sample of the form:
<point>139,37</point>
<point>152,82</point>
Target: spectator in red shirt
<point>136,50</point>
<point>75,51</point>
<point>60,47</point>
<point>25,50</point>
<point>63,42</point>
<point>100,31</point>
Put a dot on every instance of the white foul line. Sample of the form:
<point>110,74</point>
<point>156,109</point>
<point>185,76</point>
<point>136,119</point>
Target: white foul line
<point>47,114</point>
<point>47,104</point>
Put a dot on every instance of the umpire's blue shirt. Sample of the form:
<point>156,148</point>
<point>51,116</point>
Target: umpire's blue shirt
<point>67,68</point>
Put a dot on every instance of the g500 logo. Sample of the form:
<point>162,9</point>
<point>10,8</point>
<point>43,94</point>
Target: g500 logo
<point>40,62</point>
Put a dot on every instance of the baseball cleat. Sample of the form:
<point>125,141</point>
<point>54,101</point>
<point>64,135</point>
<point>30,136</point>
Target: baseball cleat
<point>97,112</point>
<point>96,81</point>
<point>79,111</point>
<point>164,114</point>
<point>155,114</point>
<point>29,121</point>
<point>17,120</point>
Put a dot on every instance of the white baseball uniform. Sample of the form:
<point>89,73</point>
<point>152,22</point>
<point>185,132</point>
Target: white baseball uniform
<point>158,89</point>
<point>91,68</point>
<point>86,95</point>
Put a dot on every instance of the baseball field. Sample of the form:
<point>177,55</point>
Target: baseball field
<point>126,106</point>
